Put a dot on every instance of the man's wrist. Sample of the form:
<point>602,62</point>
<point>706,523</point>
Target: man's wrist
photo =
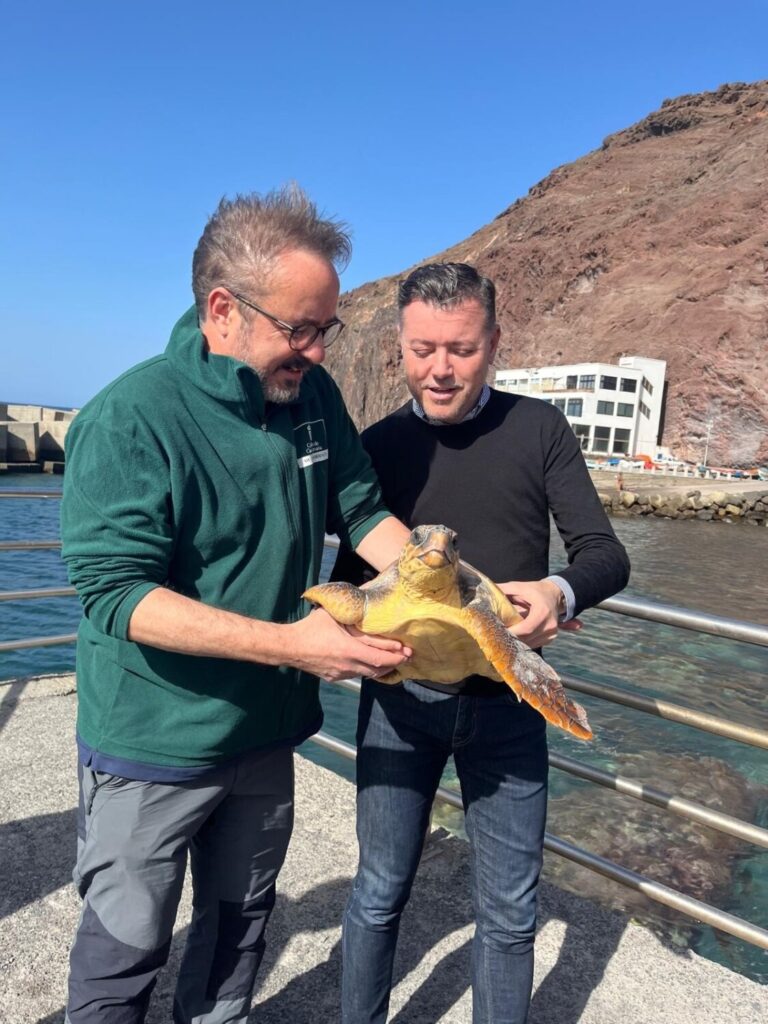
<point>567,599</point>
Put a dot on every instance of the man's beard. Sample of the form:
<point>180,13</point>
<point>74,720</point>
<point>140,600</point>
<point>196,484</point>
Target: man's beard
<point>277,393</point>
<point>280,394</point>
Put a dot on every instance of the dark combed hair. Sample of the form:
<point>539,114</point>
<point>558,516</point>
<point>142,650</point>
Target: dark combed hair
<point>245,235</point>
<point>446,285</point>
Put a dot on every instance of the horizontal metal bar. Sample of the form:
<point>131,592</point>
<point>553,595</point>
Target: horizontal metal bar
<point>687,905</point>
<point>671,615</point>
<point>649,794</point>
<point>671,712</point>
<point>653,890</point>
<point>28,545</point>
<point>39,641</point>
<point>641,791</point>
<point>30,494</point>
<point>700,622</point>
<point>26,595</point>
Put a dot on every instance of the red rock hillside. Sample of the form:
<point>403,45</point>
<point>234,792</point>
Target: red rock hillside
<point>654,245</point>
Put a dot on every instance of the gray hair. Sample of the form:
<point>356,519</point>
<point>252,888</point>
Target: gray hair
<point>447,285</point>
<point>246,234</point>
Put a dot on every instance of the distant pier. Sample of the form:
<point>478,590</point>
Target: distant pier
<point>32,437</point>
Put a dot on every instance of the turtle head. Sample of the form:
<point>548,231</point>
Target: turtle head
<point>430,560</point>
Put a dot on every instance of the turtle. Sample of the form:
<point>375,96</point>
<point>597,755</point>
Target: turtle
<point>454,619</point>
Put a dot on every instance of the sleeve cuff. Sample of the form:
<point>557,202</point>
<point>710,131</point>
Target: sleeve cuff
<point>127,606</point>
<point>570,597</point>
<point>360,532</point>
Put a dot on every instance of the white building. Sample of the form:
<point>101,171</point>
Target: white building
<point>613,409</point>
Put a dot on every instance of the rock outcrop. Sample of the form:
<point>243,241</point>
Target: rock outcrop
<point>654,245</point>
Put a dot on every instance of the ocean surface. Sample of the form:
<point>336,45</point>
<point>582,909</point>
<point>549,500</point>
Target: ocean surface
<point>721,569</point>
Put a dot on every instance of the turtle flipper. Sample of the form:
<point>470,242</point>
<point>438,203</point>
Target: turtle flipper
<point>343,601</point>
<point>531,678</point>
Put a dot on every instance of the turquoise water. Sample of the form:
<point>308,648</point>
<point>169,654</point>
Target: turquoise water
<point>713,568</point>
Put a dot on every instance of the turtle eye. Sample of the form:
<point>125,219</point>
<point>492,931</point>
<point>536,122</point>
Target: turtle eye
<point>417,537</point>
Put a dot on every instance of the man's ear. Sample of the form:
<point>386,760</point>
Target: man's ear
<point>219,308</point>
<point>494,342</point>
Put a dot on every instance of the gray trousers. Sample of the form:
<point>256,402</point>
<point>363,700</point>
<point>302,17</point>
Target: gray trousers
<point>133,842</point>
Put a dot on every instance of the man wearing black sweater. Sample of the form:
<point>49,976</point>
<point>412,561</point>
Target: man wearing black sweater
<point>491,466</point>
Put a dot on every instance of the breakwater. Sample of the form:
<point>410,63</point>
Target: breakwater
<point>711,507</point>
<point>32,436</point>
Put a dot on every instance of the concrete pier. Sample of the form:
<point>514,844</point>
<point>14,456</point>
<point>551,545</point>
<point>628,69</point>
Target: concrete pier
<point>33,433</point>
<point>592,966</point>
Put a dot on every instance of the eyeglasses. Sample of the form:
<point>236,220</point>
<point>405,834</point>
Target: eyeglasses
<point>300,336</point>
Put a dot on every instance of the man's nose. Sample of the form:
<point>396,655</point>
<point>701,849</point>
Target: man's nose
<point>441,364</point>
<point>316,351</point>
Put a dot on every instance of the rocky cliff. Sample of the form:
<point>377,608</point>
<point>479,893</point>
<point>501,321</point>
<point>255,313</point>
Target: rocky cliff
<point>656,245</point>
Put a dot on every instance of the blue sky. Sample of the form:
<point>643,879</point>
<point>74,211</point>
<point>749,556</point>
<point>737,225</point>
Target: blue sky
<point>125,123</point>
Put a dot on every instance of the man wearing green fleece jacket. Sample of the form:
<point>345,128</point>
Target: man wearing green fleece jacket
<point>199,487</point>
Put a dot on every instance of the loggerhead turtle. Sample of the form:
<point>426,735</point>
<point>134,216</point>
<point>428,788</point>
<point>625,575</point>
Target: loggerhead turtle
<point>454,619</point>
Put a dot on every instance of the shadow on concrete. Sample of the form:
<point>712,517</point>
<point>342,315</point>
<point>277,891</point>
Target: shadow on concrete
<point>431,915</point>
<point>37,855</point>
<point>10,701</point>
<point>564,992</point>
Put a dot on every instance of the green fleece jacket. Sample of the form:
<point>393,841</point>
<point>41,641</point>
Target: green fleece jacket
<point>178,475</point>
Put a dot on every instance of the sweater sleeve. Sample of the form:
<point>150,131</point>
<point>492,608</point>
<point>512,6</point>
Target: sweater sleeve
<point>355,504</point>
<point>116,523</point>
<point>598,565</point>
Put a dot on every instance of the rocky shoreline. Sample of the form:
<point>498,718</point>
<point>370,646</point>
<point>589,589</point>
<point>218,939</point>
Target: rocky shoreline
<point>710,507</point>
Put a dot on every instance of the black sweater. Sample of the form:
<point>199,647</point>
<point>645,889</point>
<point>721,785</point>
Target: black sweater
<point>493,480</point>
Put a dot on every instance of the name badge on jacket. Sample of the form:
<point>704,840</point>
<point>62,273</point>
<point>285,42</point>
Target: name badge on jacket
<point>311,443</point>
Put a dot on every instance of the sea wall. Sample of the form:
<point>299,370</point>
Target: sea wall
<point>710,507</point>
<point>33,433</point>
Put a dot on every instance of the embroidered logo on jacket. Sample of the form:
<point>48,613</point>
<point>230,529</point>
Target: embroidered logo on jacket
<point>311,444</point>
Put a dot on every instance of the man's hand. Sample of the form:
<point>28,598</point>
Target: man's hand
<point>321,646</point>
<point>540,602</point>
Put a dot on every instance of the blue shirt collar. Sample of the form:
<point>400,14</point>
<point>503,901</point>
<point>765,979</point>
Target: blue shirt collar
<point>485,394</point>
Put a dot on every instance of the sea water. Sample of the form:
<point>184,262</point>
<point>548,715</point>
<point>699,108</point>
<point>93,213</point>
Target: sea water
<point>716,568</point>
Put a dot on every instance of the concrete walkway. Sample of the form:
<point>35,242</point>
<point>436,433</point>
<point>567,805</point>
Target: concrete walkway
<point>593,967</point>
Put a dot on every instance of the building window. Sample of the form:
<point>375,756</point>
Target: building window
<point>625,409</point>
<point>601,439</point>
<point>574,407</point>
<point>628,384</point>
<point>621,441</point>
<point>645,410</point>
<point>647,385</point>
<point>560,404</point>
<point>608,383</point>
<point>587,382</point>
<point>570,382</point>
<point>581,430</point>
<point>605,408</point>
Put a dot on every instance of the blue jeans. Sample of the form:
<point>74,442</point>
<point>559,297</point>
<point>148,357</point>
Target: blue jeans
<point>405,736</point>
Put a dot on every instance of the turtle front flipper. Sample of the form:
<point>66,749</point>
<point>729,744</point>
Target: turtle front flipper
<point>343,601</point>
<point>531,678</point>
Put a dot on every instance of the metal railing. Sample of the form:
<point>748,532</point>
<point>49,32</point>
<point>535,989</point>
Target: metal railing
<point>733,629</point>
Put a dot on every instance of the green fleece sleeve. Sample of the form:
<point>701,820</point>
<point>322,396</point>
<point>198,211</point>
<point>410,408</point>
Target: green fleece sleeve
<point>355,504</point>
<point>116,522</point>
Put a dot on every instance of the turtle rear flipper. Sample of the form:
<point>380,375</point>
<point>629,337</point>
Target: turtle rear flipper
<point>531,678</point>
